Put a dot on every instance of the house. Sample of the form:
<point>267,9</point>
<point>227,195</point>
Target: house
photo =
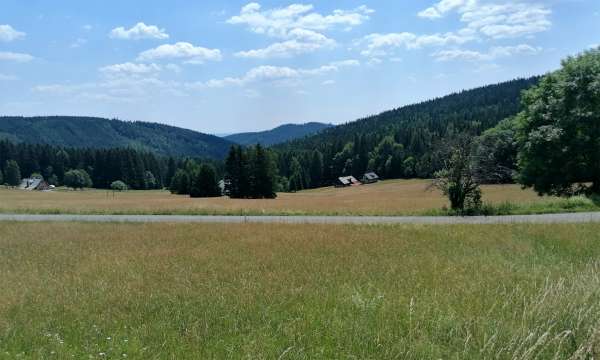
<point>346,181</point>
<point>35,183</point>
<point>370,178</point>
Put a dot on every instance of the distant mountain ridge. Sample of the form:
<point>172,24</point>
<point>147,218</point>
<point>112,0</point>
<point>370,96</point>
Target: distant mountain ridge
<point>95,132</point>
<point>279,134</point>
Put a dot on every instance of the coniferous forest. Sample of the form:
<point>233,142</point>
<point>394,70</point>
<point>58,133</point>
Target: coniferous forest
<point>401,143</point>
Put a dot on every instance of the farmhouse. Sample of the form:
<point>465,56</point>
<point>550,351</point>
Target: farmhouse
<point>370,178</point>
<point>346,181</point>
<point>35,183</point>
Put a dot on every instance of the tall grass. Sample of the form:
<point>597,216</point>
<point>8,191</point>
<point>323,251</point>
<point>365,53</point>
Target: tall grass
<point>176,291</point>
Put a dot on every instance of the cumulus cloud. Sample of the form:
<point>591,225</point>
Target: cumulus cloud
<point>8,33</point>
<point>278,74</point>
<point>139,31</point>
<point>17,57</point>
<point>300,27</point>
<point>129,69</point>
<point>181,50</point>
<point>509,19</point>
<point>381,44</point>
<point>279,21</point>
<point>444,6</point>
<point>493,54</point>
<point>304,41</point>
<point>482,21</point>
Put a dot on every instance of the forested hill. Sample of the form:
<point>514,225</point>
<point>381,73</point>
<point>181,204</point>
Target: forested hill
<point>279,134</point>
<point>91,132</point>
<point>400,142</point>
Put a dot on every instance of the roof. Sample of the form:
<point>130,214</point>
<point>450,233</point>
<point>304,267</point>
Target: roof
<point>348,180</point>
<point>30,184</point>
<point>371,176</point>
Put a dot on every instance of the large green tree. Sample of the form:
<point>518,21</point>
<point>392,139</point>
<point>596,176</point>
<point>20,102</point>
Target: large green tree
<point>180,184</point>
<point>559,129</point>
<point>12,173</point>
<point>263,174</point>
<point>77,179</point>
<point>204,183</point>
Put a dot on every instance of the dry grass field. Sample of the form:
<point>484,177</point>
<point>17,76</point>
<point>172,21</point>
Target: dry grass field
<point>162,291</point>
<point>394,197</point>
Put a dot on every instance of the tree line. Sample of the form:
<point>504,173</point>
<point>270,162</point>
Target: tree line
<point>552,145</point>
<point>401,143</point>
<point>80,168</point>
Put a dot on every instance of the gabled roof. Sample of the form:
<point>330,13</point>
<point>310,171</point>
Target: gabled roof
<point>30,184</point>
<point>348,180</point>
<point>371,176</point>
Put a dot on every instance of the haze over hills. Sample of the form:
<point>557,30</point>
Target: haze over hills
<point>93,132</point>
<point>279,134</point>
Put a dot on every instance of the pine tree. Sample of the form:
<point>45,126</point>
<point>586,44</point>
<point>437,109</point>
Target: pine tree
<point>316,169</point>
<point>180,184</point>
<point>263,179</point>
<point>204,183</point>
<point>12,173</point>
<point>171,168</point>
<point>296,181</point>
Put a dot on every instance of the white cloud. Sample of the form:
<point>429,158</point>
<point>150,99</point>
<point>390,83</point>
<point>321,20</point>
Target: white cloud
<point>304,41</point>
<point>87,27</point>
<point>279,22</point>
<point>8,33</point>
<point>174,68</point>
<point>181,50</point>
<point>17,57</point>
<point>509,19</point>
<point>382,44</point>
<point>130,69</point>
<point>483,20</point>
<point>444,6</point>
<point>328,82</point>
<point>277,74</point>
<point>139,31</point>
<point>493,54</point>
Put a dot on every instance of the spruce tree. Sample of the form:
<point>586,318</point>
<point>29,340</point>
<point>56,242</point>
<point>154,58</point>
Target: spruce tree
<point>180,184</point>
<point>12,173</point>
<point>204,183</point>
<point>316,169</point>
<point>263,174</point>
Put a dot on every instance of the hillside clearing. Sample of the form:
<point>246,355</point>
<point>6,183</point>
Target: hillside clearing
<point>394,197</point>
<point>260,291</point>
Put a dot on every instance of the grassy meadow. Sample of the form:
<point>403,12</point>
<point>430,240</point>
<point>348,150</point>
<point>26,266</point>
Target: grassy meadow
<point>394,197</point>
<point>165,291</point>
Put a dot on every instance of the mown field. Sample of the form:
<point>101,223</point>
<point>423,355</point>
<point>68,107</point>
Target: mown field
<point>162,291</point>
<point>395,197</point>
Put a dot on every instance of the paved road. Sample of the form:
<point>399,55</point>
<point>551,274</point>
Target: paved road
<point>532,219</point>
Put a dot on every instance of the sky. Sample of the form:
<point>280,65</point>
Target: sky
<point>233,66</point>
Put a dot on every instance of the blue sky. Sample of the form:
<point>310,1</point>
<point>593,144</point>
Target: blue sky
<point>229,66</point>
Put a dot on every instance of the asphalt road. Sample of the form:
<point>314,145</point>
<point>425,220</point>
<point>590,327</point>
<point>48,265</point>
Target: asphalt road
<point>530,219</point>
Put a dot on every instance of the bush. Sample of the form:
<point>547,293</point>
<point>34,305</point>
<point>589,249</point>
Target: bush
<point>77,179</point>
<point>118,186</point>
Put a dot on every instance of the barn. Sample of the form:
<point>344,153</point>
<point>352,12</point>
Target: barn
<point>35,183</point>
<point>370,178</point>
<point>346,181</point>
